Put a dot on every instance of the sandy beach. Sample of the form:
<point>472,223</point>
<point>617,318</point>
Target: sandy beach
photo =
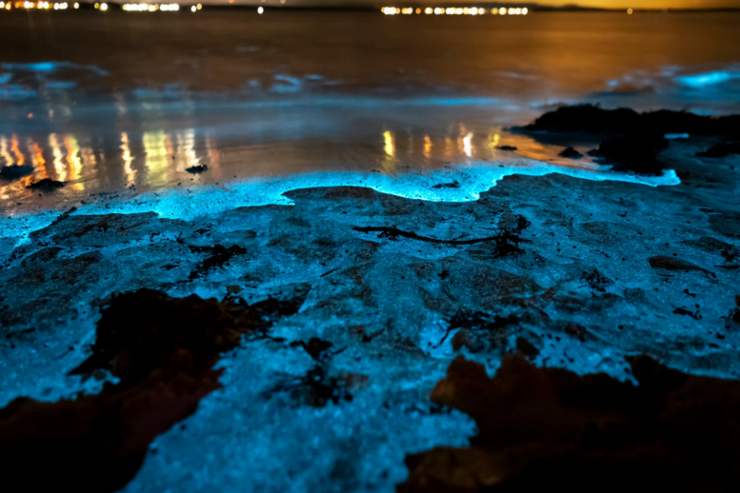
<point>383,294</point>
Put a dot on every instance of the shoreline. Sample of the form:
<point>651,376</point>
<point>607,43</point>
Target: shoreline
<point>387,290</point>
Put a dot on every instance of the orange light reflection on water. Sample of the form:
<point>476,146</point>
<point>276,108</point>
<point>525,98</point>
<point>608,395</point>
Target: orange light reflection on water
<point>158,158</point>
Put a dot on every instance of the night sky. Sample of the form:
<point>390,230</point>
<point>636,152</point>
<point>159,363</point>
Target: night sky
<point>651,4</point>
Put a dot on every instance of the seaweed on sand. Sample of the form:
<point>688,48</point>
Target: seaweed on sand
<point>162,350</point>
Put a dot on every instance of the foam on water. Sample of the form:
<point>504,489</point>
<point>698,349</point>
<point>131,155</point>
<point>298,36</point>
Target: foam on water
<point>459,183</point>
<point>470,180</point>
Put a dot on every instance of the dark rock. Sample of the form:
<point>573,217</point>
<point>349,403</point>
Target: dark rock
<point>198,169</point>
<point>549,428</point>
<point>632,141</point>
<point>721,149</point>
<point>46,185</point>
<point>589,119</point>
<point>162,351</point>
<point>570,153</point>
<point>506,148</point>
<point>632,152</point>
<point>15,172</point>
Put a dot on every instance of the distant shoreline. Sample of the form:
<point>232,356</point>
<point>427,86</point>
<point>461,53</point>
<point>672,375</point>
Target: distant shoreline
<point>532,7</point>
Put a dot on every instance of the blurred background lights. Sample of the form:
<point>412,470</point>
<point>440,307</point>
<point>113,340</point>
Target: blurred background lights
<point>471,11</point>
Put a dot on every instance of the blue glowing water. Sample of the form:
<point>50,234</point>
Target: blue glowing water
<point>712,78</point>
<point>258,104</point>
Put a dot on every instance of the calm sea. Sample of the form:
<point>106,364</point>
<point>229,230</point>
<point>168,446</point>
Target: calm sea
<point>111,102</point>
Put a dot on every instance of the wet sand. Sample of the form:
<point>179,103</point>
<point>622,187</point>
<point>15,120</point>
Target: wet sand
<point>335,394</point>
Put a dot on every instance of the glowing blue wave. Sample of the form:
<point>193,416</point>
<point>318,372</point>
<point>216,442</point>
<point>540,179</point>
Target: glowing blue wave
<point>704,79</point>
<point>470,181</point>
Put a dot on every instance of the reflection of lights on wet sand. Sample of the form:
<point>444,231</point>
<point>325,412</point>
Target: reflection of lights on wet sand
<point>467,141</point>
<point>74,164</point>
<point>58,157</point>
<point>186,156</point>
<point>37,160</point>
<point>15,148</point>
<point>493,140</point>
<point>7,157</point>
<point>89,161</point>
<point>449,148</point>
<point>389,148</point>
<point>127,159</point>
<point>214,157</point>
<point>156,154</point>
<point>427,147</point>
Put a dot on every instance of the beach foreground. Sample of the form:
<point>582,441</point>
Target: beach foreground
<point>350,341</point>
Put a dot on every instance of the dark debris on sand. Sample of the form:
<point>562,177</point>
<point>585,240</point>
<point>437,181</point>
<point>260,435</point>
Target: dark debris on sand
<point>541,428</point>
<point>46,185</point>
<point>197,169</point>
<point>664,262</point>
<point>162,350</point>
<point>506,241</point>
<point>14,172</point>
<point>318,387</point>
<point>217,256</point>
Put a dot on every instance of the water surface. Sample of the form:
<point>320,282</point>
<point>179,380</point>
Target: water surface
<point>111,102</point>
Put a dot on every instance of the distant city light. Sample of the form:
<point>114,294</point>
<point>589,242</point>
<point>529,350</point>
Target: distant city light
<point>630,11</point>
<point>472,11</point>
<point>157,7</point>
<point>142,6</point>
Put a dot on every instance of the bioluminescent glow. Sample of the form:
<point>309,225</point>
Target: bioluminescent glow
<point>706,79</point>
